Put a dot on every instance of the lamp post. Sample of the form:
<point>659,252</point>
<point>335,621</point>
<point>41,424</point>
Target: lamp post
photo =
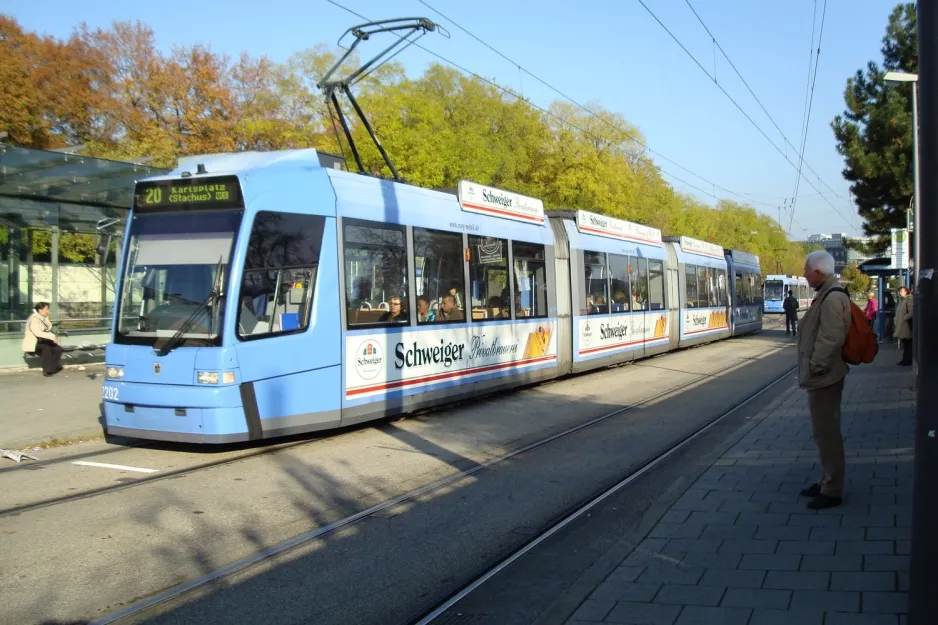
<point>912,78</point>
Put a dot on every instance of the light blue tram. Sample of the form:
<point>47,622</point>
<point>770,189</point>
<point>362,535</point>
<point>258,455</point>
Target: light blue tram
<point>745,282</point>
<point>266,294</point>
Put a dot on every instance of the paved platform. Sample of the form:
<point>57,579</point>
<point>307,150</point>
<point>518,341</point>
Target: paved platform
<point>739,546</point>
<point>38,410</point>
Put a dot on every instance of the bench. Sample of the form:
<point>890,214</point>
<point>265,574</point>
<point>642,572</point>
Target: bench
<point>71,355</point>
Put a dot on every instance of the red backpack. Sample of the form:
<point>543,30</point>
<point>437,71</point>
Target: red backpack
<point>861,346</point>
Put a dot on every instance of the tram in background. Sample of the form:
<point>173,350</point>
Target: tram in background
<point>267,294</point>
<point>776,290</point>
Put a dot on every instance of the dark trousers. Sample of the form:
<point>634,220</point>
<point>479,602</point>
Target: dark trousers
<point>824,405</point>
<point>906,351</point>
<point>51,354</point>
<point>791,323</point>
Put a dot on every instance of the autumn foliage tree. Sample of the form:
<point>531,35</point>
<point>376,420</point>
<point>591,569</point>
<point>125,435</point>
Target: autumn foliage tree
<point>114,92</point>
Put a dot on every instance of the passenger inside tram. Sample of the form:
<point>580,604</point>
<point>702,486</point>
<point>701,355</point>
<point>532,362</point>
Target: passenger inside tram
<point>449,310</point>
<point>424,313</point>
<point>397,311</point>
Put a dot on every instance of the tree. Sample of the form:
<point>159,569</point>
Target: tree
<point>858,283</point>
<point>874,135</point>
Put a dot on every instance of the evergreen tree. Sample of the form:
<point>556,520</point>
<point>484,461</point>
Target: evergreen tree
<point>874,134</point>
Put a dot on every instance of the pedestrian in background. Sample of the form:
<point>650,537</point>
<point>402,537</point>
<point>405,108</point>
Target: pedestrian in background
<point>822,333</point>
<point>790,306</point>
<point>904,326</point>
<point>872,307</point>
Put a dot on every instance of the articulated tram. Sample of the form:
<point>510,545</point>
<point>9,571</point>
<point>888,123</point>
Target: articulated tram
<point>267,294</point>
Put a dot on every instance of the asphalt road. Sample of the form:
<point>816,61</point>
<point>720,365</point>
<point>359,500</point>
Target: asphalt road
<point>90,556</point>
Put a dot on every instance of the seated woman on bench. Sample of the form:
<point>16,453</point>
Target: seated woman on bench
<point>40,340</point>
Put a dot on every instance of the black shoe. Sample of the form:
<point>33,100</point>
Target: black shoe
<point>822,502</point>
<point>811,491</point>
<point>904,364</point>
<point>47,375</point>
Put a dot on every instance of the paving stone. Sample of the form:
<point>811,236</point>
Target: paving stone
<point>737,578</point>
<point>838,533</point>
<point>786,617</point>
<point>790,507</point>
<point>839,618</point>
<point>712,560</point>
<point>727,532</point>
<point>853,562</point>
<point>864,547</point>
<point>885,602</point>
<point>713,518</point>
<point>770,562</point>
<point>863,581</point>
<point>774,497</point>
<point>688,545</point>
<point>870,520</point>
<point>814,520</point>
<point>797,580</point>
<point>704,505</point>
<point>676,530</point>
<point>903,547</point>
<point>757,598</point>
<point>698,615</point>
<point>885,563</point>
<point>689,595</point>
<point>761,518</point>
<point>593,610</point>
<point>903,581</point>
<point>825,600</point>
<point>670,575</point>
<point>625,591</point>
<point>675,516</point>
<point>643,613</point>
<point>626,573</point>
<point>806,547</point>
<point>744,506</point>
<point>748,546</point>
<point>641,558</point>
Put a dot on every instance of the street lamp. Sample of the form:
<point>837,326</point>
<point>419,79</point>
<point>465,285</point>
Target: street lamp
<point>912,78</point>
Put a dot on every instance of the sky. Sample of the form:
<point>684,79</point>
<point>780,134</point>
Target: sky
<point>612,53</point>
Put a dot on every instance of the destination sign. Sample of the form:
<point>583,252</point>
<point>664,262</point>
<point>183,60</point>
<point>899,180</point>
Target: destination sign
<point>745,257</point>
<point>695,246</point>
<point>476,198</point>
<point>604,226</point>
<point>188,194</point>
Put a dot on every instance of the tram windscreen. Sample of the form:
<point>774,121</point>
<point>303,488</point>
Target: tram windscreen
<point>774,290</point>
<point>175,278</point>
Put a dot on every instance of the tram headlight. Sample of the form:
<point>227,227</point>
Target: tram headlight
<point>115,373</point>
<point>207,377</point>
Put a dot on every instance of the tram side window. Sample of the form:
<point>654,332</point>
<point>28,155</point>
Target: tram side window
<point>705,295</point>
<point>375,273</point>
<point>723,297</point>
<point>746,296</point>
<point>655,285</point>
<point>619,276</point>
<point>639,279</point>
<point>596,286</point>
<point>754,280</point>
<point>690,284</point>
<point>488,272</point>
<point>530,279</point>
<point>438,263</point>
<point>279,274</point>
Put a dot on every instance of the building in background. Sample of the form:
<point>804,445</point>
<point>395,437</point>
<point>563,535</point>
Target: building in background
<point>835,244</point>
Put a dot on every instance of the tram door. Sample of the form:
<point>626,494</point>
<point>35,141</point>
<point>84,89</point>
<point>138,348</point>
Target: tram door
<point>674,299</point>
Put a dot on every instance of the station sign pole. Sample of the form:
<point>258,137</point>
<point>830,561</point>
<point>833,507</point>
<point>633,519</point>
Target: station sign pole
<point>923,568</point>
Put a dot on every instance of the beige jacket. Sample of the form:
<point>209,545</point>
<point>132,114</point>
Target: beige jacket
<point>904,318</point>
<point>822,333</point>
<point>37,326</point>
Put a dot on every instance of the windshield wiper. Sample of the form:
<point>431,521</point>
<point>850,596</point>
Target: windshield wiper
<point>213,297</point>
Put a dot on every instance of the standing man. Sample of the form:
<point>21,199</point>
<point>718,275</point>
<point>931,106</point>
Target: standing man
<point>39,339</point>
<point>790,306</point>
<point>904,326</point>
<point>821,371</point>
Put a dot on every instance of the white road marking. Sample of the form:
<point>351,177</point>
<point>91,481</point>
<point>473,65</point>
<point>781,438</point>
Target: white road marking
<point>119,467</point>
